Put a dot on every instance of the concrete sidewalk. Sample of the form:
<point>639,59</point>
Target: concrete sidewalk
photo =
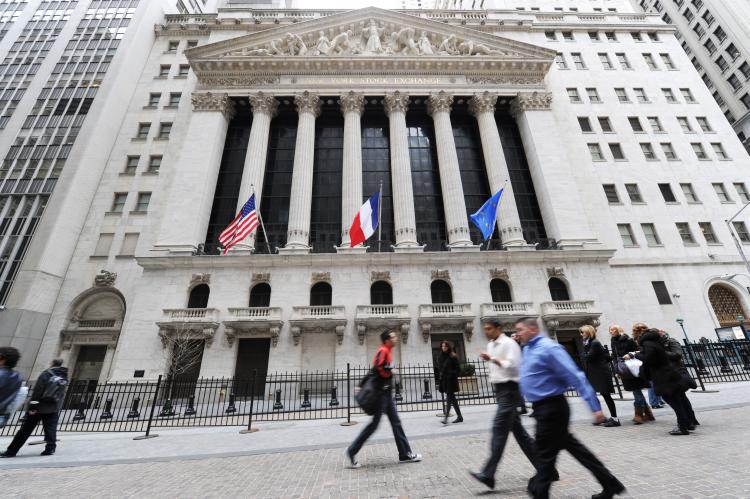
<point>85,449</point>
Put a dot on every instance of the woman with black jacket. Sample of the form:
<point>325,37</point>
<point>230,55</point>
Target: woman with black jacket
<point>596,366</point>
<point>449,371</point>
<point>667,380</point>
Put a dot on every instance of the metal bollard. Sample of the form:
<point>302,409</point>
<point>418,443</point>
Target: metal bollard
<point>97,401</point>
<point>167,411</point>
<point>277,406</point>
<point>746,361</point>
<point>398,397</point>
<point>80,414</point>
<point>306,399</point>
<point>134,412</point>
<point>334,397</point>
<point>231,407</point>
<point>190,410</point>
<point>724,365</point>
<point>107,412</point>
<point>427,395</point>
<point>701,367</point>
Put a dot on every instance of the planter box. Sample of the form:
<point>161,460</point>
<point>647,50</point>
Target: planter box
<point>468,385</point>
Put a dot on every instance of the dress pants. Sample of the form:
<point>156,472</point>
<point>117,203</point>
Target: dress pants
<point>507,420</point>
<point>682,408</point>
<point>387,406</point>
<point>49,422</point>
<point>552,418</point>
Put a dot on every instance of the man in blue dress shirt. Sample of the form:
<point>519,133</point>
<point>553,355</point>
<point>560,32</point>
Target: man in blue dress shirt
<point>547,371</point>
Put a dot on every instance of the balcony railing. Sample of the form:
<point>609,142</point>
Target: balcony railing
<point>191,314</point>
<point>97,323</point>
<point>507,308</point>
<point>447,310</point>
<point>255,313</point>
<point>318,312</point>
<point>568,307</point>
<point>368,311</point>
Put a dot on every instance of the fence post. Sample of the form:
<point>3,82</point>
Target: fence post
<point>348,421</point>
<point>151,414</point>
<point>250,428</point>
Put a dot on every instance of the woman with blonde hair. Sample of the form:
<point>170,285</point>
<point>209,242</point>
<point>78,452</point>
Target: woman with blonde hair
<point>621,346</point>
<point>596,366</point>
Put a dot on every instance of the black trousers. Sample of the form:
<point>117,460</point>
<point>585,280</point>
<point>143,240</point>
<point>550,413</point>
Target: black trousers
<point>451,401</point>
<point>552,418</point>
<point>49,422</point>
<point>682,408</point>
<point>387,406</point>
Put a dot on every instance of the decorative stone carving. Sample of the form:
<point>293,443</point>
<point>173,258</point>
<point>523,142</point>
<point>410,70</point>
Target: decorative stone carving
<point>352,102</point>
<point>439,102</point>
<point>207,101</point>
<point>361,333</point>
<point>469,330</point>
<point>296,334</point>
<point>323,47</point>
<point>321,277</point>
<point>482,103</point>
<point>200,279</point>
<point>380,276</point>
<point>295,44</point>
<point>308,102</point>
<point>261,277</point>
<point>441,274</point>
<point>105,279</point>
<point>555,272</point>
<point>405,333</point>
<point>396,101</point>
<point>505,80</point>
<point>206,334</point>
<point>264,104</point>
<point>340,334</point>
<point>573,323</point>
<point>449,46</point>
<point>499,273</point>
<point>424,44</point>
<point>531,101</point>
<point>373,33</point>
<point>342,44</point>
<point>231,334</point>
<point>237,81</point>
<point>426,328</point>
<point>468,47</point>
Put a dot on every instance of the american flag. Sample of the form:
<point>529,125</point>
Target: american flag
<point>242,225</point>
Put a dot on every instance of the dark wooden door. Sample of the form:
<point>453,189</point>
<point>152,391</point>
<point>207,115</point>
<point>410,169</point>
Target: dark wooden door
<point>252,354</point>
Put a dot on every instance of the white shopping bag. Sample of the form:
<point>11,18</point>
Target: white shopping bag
<point>634,366</point>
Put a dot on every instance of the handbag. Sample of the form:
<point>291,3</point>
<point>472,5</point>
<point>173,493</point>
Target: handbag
<point>369,393</point>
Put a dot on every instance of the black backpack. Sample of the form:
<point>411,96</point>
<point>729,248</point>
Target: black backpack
<point>54,390</point>
<point>369,394</point>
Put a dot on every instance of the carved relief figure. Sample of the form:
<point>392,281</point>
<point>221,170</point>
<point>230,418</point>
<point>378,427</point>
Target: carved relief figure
<point>274,46</point>
<point>324,45</point>
<point>424,44</point>
<point>406,42</point>
<point>341,44</point>
<point>449,46</point>
<point>468,47</point>
<point>295,44</point>
<point>372,33</point>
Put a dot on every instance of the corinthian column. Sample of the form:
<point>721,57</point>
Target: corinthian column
<point>196,170</point>
<point>264,109</point>
<point>482,106</point>
<point>456,220</point>
<point>300,202</point>
<point>352,105</point>
<point>401,184</point>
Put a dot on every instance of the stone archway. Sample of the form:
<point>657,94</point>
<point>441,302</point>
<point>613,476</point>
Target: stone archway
<point>726,304</point>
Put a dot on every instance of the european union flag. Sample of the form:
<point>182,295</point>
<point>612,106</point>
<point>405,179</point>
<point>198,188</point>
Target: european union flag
<point>486,216</point>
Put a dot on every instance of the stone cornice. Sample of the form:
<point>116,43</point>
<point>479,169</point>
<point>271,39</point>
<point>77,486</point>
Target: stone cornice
<point>352,102</point>
<point>208,101</point>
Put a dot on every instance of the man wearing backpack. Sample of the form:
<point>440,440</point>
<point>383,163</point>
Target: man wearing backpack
<point>45,405</point>
<point>10,382</point>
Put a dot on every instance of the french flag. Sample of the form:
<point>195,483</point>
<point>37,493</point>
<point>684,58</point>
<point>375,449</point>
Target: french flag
<point>366,221</point>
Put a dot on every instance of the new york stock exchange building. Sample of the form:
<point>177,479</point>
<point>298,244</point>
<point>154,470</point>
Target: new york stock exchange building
<point>618,171</point>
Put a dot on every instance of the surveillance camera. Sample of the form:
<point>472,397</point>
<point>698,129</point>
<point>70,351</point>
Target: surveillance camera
<point>675,296</point>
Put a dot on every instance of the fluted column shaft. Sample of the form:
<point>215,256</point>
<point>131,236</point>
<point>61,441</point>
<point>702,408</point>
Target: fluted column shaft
<point>300,202</point>
<point>456,220</point>
<point>401,184</point>
<point>482,106</point>
<point>352,105</point>
<point>253,173</point>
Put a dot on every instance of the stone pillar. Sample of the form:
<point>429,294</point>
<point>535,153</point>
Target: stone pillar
<point>300,203</point>
<point>190,191</point>
<point>456,219</point>
<point>551,172</point>
<point>401,184</point>
<point>482,106</point>
<point>352,105</point>
<point>264,109</point>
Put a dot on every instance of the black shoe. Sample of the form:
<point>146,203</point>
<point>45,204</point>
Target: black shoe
<point>611,422</point>
<point>47,452</point>
<point>459,420</point>
<point>691,427</point>
<point>5,454</point>
<point>610,491</point>
<point>411,458</point>
<point>696,423</point>
<point>489,482</point>
<point>351,461</point>
<point>444,420</point>
<point>678,431</point>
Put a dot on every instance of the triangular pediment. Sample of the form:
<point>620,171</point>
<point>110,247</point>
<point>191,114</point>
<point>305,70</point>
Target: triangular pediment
<point>369,40</point>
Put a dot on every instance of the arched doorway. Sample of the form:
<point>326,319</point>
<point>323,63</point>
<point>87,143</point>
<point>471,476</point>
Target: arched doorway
<point>726,305</point>
<point>558,290</point>
<point>500,291</point>
<point>260,295</point>
<point>321,294</point>
<point>381,293</point>
<point>199,296</point>
<point>441,292</point>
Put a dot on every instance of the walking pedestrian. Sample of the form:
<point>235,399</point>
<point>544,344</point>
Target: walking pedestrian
<point>622,345</point>
<point>655,401</point>
<point>10,382</point>
<point>547,371</point>
<point>504,357</point>
<point>382,368</point>
<point>674,352</point>
<point>449,371</point>
<point>596,366</point>
<point>45,406</point>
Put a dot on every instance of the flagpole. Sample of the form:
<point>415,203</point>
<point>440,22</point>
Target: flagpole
<point>260,219</point>
<point>380,210</point>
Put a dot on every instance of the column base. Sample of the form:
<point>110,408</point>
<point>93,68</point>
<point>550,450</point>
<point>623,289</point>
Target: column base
<point>357,250</point>
<point>409,249</point>
<point>469,248</point>
<point>298,250</point>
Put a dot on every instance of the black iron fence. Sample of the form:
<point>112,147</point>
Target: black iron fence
<point>715,362</point>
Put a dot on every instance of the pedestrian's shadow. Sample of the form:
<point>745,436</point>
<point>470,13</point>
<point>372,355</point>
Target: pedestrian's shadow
<point>501,492</point>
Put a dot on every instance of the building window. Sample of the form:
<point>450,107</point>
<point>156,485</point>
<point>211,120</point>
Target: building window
<point>652,237</point>
<point>698,4</point>
<point>734,81</point>
<point>742,192</point>
<point>321,294</point>
<point>683,228</point>
<point>704,124</point>
<point>153,99</point>
<point>745,70</point>
<point>164,130</point>
<point>626,233</point>
<point>722,63</point>
<point>611,36</point>
<point>700,153</point>
<point>192,43</point>
<point>560,61</point>
<point>655,124</point>
<point>721,193</point>
<point>440,292</point>
<point>154,163</point>
<point>634,193</point>
<point>596,152</point>
<point>667,61</point>
<point>142,203</point>
<point>653,36</point>
<point>718,98</point>
<point>500,291</point>
<point>650,62</point>
<point>636,36</point>
<point>184,70</point>
<point>131,165</point>
<point>172,46</point>
<point>578,60</point>
<point>689,193</point>
<point>585,124</point>
<point>648,151</point>
<point>103,245</point>
<point>118,202</point>
<point>746,100</point>
<point>641,95</point>
<point>593,95</point>
<point>605,60</point>
<point>741,229</point>
<point>623,60</point>
<point>622,95</point>
<point>574,96</point>
<point>685,124</point>
<point>550,35</point>
<point>662,295</point>
<point>699,30</point>
<point>129,242</point>
<point>708,232</point>
<point>567,36</point>
<point>594,36</point>
<point>635,124</point>
<point>605,124</point>
<point>669,95</point>
<point>669,152</point>
<point>164,70</point>
<point>558,290</point>
<point>616,150</point>
<point>381,293</point>
<point>687,94</point>
<point>720,34</point>
<point>260,295</point>
<point>732,51</point>
<point>198,297</point>
<point>174,99</point>
<point>611,192</point>
<point>719,151</point>
<point>710,46</point>
<point>143,129</point>
<point>667,194</point>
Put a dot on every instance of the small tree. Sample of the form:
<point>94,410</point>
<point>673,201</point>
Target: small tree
<point>183,351</point>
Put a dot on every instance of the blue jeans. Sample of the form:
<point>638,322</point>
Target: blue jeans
<point>638,399</point>
<point>387,406</point>
<point>653,398</point>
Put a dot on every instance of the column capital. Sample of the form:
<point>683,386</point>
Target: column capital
<point>264,104</point>
<point>482,103</point>
<point>352,102</point>
<point>207,101</point>
<point>531,101</point>
<point>308,102</point>
<point>396,101</point>
<point>439,101</point>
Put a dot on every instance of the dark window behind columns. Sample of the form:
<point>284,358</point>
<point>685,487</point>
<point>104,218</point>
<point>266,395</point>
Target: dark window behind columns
<point>428,195</point>
<point>325,220</point>
<point>224,208</point>
<point>376,169</point>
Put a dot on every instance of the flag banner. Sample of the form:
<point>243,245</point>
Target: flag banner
<point>486,216</point>
<point>365,222</point>
<point>243,224</point>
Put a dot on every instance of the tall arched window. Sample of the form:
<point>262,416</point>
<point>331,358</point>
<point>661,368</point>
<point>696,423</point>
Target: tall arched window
<point>381,293</point>
<point>500,291</point>
<point>726,304</point>
<point>199,296</point>
<point>441,292</point>
<point>558,290</point>
<point>321,294</point>
<point>260,295</point>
